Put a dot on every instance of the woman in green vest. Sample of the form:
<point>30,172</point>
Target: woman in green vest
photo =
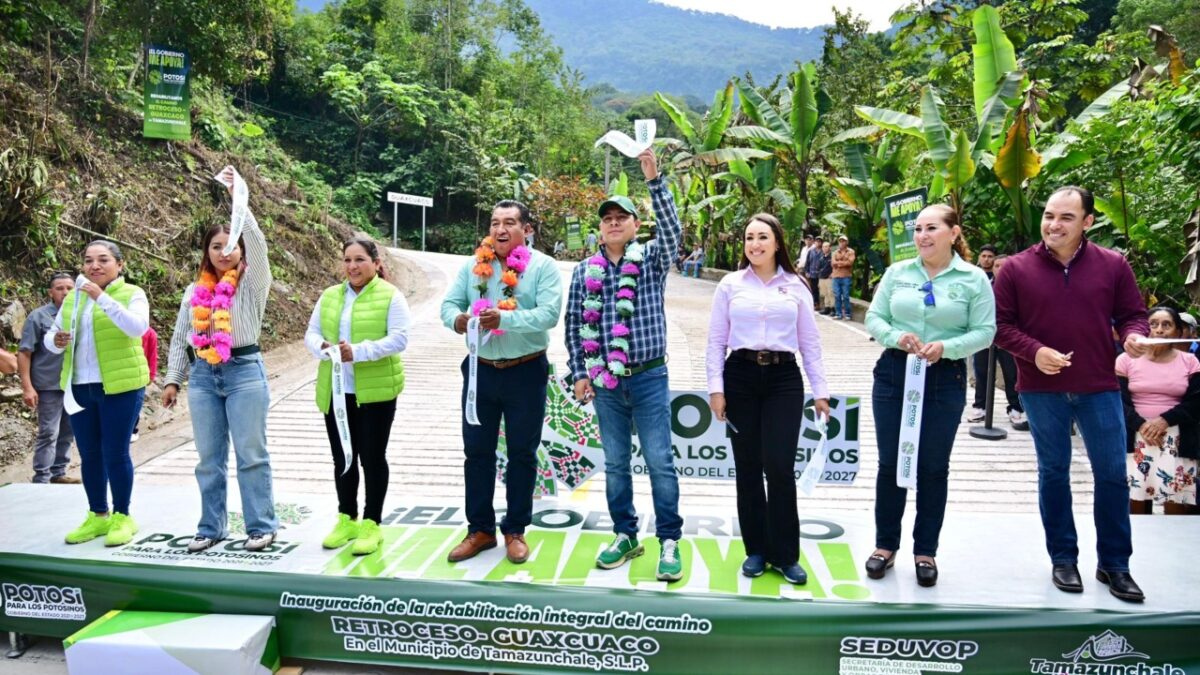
<point>364,324</point>
<point>99,330</point>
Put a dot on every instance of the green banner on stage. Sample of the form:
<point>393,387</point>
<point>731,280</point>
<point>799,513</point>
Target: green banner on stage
<point>574,234</point>
<point>901,211</point>
<point>167,98</point>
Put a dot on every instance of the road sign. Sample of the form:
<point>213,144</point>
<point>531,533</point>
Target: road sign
<point>415,200</point>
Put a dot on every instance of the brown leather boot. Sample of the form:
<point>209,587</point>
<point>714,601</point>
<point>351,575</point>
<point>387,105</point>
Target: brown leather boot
<point>1141,508</point>
<point>518,550</point>
<point>1176,509</point>
<point>472,545</point>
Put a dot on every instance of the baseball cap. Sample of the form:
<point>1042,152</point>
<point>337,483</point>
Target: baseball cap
<point>843,238</point>
<point>621,202</point>
<point>1188,319</point>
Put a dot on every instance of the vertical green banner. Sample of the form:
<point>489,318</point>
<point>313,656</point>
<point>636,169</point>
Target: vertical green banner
<point>167,100</point>
<point>901,213</point>
<point>574,234</point>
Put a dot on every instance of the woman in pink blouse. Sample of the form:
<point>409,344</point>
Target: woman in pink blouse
<point>761,316</point>
<point>1161,392</point>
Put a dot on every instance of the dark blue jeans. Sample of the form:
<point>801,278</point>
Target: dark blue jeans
<point>945,398</point>
<point>1101,420</point>
<point>841,296</point>
<point>519,395</point>
<point>765,404</point>
<point>102,431</point>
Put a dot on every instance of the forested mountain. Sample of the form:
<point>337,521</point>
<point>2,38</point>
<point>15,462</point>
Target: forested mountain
<point>642,46</point>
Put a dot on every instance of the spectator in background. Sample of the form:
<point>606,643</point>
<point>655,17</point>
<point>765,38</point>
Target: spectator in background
<point>843,270</point>
<point>1188,330</point>
<point>694,262</point>
<point>150,348</point>
<point>559,248</point>
<point>591,242</point>
<point>1161,394</point>
<point>825,281</point>
<point>802,257</point>
<point>812,271</point>
<point>40,372</point>
<point>989,262</point>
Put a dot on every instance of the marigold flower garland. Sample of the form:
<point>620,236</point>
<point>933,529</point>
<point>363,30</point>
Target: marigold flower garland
<point>517,261</point>
<point>604,370</point>
<point>212,324</point>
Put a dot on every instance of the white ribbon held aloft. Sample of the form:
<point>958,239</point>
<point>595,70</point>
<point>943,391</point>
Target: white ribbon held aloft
<point>643,130</point>
<point>240,210</point>
<point>340,416</point>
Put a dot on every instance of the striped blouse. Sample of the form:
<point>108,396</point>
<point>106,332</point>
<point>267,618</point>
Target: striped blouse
<point>249,303</point>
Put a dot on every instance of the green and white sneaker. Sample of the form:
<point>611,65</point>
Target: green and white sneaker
<point>93,526</point>
<point>621,549</point>
<point>121,529</point>
<point>670,566</point>
<point>369,537</point>
<point>345,530</point>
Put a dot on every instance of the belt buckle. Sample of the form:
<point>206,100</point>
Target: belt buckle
<point>763,358</point>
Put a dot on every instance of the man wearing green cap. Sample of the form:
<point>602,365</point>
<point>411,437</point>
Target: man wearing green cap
<point>616,333</point>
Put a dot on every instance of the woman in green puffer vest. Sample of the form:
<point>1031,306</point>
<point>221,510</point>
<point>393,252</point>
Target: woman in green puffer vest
<point>364,323</point>
<point>105,375</point>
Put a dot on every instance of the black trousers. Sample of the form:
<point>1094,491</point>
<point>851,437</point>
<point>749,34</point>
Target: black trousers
<point>370,426</point>
<point>765,403</point>
<point>1007,366</point>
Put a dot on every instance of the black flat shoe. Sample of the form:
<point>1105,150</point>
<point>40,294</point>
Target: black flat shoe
<point>877,565</point>
<point>1066,578</point>
<point>1121,585</point>
<point>926,573</point>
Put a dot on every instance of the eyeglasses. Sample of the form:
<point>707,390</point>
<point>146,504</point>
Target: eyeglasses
<point>927,289</point>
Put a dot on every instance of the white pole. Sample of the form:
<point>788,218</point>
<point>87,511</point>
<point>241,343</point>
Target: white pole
<point>422,228</point>
<point>395,209</point>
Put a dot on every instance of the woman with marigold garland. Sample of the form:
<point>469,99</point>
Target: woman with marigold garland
<point>220,320</point>
<point>366,319</point>
<point>104,371</point>
<point>516,294</point>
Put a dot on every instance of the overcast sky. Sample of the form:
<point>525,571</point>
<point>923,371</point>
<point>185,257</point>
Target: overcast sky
<point>793,13</point>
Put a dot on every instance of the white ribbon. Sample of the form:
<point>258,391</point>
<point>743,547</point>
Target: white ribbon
<point>241,207</point>
<point>340,417</point>
<point>1164,341</point>
<point>643,130</point>
<point>69,403</point>
<point>910,421</point>
<point>472,370</point>
<point>816,464</point>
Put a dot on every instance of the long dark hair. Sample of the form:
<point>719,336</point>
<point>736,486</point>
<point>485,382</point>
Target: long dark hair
<point>372,250</point>
<point>782,257</point>
<point>216,228</point>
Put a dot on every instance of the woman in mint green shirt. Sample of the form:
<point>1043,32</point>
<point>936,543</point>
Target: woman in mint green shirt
<point>939,307</point>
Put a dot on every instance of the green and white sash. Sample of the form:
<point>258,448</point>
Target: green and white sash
<point>915,368</point>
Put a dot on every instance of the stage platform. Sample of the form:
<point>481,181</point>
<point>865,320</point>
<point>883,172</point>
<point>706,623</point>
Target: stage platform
<point>993,611</point>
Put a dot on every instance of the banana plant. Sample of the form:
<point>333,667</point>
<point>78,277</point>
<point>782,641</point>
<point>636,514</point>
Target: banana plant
<point>955,155</point>
<point>786,127</point>
<point>703,146</point>
<point>862,193</point>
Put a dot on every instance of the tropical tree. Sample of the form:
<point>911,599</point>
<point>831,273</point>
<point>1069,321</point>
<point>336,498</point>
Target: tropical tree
<point>370,98</point>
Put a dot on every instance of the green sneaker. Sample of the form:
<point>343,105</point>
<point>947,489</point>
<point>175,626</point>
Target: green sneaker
<point>121,529</point>
<point>93,526</point>
<point>621,549</point>
<point>670,566</point>
<point>369,537</point>
<point>345,530</point>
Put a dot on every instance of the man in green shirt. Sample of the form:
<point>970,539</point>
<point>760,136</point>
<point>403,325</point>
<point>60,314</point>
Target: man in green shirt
<point>518,299</point>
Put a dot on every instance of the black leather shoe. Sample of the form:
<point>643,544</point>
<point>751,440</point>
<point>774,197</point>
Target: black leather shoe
<point>877,565</point>
<point>1066,578</point>
<point>926,573</point>
<point>1121,585</point>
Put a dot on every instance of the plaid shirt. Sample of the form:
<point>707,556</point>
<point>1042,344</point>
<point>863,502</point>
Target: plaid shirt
<point>648,325</point>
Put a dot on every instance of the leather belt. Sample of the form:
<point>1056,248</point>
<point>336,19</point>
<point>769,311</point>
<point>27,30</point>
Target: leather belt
<point>765,358</point>
<point>501,364</point>
<point>636,368</point>
<point>236,351</point>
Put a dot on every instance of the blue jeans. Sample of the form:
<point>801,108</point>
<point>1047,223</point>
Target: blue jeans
<point>841,296</point>
<point>945,398</point>
<point>102,431</point>
<point>1101,420</point>
<point>231,399</point>
<point>645,399</point>
<point>518,394</point>
<point>692,268</point>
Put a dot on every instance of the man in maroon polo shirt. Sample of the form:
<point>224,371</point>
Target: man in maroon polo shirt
<point>1057,304</point>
